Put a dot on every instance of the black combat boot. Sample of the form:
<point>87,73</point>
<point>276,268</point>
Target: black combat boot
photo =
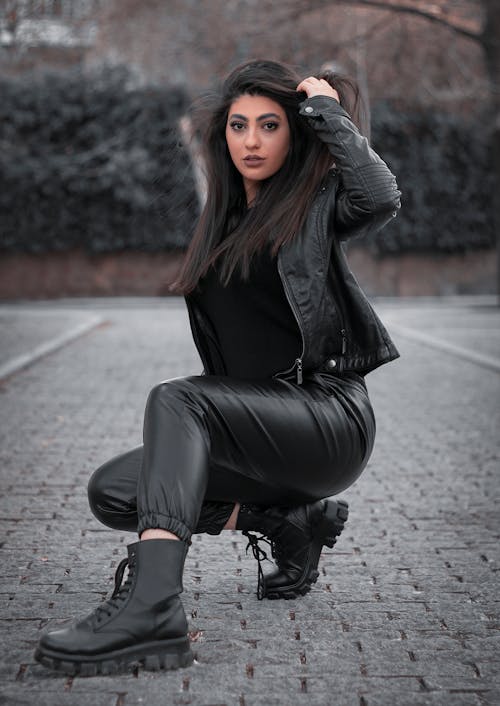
<point>143,621</point>
<point>296,536</point>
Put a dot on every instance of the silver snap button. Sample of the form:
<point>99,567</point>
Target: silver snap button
<point>309,109</point>
<point>331,364</point>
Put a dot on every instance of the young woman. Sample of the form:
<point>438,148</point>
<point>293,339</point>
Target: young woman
<point>281,419</point>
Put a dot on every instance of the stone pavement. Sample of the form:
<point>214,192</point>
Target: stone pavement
<point>405,611</point>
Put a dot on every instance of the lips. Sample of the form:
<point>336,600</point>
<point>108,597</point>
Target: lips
<point>253,162</point>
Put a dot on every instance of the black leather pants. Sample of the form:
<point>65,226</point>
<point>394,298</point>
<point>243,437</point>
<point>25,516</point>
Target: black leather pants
<point>222,439</point>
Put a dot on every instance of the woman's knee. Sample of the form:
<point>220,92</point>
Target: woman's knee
<point>98,491</point>
<point>112,490</point>
<point>110,509</point>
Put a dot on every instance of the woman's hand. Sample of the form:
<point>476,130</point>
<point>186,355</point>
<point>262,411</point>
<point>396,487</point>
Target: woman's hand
<point>317,87</point>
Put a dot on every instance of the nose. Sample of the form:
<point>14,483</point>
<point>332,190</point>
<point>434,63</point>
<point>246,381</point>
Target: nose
<point>252,139</point>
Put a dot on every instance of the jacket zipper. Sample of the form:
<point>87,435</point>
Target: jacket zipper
<point>340,310</point>
<point>298,361</point>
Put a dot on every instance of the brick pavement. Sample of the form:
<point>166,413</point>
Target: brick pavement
<point>406,607</point>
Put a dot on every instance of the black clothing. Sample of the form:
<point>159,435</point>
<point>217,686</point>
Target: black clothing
<point>339,328</point>
<point>282,440</point>
<point>266,442</point>
<point>143,621</point>
<point>296,535</point>
<point>255,328</point>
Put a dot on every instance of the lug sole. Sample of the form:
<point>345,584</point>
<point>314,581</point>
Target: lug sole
<point>326,533</point>
<point>154,656</point>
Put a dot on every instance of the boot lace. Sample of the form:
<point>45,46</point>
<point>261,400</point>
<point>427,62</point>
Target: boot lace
<point>260,555</point>
<point>120,592</point>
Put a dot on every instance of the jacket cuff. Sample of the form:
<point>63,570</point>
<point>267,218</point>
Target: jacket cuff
<point>315,106</point>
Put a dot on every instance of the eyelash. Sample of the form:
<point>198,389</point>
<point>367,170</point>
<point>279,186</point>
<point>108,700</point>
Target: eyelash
<point>235,125</point>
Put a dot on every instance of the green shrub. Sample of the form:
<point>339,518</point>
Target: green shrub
<point>444,169</point>
<point>88,162</point>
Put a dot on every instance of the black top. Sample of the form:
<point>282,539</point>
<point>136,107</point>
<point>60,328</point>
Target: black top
<point>256,329</point>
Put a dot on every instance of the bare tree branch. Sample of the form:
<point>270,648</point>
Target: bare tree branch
<point>370,33</point>
<point>363,36</point>
<point>390,6</point>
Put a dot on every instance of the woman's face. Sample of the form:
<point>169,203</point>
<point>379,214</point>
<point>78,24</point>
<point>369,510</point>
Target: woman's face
<point>258,139</point>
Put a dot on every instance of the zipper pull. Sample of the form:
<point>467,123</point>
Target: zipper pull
<point>344,341</point>
<point>298,362</point>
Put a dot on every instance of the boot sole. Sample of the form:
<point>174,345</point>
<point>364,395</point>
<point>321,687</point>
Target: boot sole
<point>153,656</point>
<point>326,532</point>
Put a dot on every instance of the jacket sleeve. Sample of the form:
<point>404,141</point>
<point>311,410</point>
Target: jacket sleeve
<point>367,194</point>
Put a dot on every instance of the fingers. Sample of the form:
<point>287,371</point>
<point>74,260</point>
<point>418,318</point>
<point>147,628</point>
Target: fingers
<point>307,83</point>
<point>313,86</point>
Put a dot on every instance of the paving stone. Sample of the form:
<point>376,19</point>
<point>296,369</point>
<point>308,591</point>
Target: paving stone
<point>405,610</point>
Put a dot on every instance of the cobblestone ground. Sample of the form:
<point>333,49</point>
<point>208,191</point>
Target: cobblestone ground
<point>406,607</point>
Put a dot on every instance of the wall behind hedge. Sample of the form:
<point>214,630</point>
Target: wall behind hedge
<point>85,161</point>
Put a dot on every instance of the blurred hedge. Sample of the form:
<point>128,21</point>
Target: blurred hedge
<point>85,161</point>
<point>444,169</point>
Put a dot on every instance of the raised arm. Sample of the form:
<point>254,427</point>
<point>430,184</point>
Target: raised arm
<point>367,194</point>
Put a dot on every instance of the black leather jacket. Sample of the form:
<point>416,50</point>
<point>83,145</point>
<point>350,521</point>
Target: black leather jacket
<point>340,331</point>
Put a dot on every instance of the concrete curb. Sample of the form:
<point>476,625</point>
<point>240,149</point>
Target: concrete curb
<point>24,360</point>
<point>481,359</point>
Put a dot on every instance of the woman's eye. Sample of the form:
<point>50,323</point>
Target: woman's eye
<point>270,126</point>
<point>237,126</point>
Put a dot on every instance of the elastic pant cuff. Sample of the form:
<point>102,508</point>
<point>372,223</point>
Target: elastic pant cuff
<point>155,520</point>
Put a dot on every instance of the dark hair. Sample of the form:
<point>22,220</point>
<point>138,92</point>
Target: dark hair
<point>226,227</point>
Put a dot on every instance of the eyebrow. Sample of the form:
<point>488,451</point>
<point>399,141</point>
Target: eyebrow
<point>261,117</point>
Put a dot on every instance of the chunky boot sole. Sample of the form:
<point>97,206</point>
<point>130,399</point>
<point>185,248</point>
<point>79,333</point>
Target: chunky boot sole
<point>325,533</point>
<point>152,656</point>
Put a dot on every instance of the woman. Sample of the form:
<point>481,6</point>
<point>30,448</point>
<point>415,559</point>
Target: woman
<point>280,420</point>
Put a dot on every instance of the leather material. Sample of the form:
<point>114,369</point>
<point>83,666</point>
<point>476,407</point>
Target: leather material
<point>225,440</point>
<point>337,322</point>
<point>147,607</point>
<point>213,517</point>
<point>297,547</point>
<point>296,536</point>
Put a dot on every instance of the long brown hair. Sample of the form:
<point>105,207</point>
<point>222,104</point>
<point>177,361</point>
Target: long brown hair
<point>226,227</point>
